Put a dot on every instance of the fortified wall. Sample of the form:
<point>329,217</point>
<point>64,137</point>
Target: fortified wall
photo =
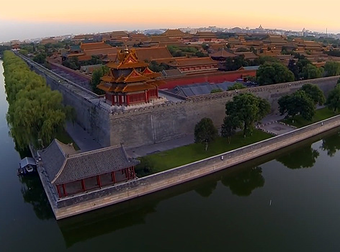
<point>171,120</point>
<point>154,124</point>
<point>91,110</point>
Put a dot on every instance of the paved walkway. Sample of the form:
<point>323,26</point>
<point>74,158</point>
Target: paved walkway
<point>154,148</point>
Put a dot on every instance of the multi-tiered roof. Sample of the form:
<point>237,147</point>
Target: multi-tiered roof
<point>129,77</point>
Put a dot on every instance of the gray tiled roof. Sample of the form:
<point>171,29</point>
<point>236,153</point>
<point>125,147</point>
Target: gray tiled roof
<point>64,167</point>
<point>53,157</point>
<point>202,88</point>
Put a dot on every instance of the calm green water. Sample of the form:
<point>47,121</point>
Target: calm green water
<point>289,201</point>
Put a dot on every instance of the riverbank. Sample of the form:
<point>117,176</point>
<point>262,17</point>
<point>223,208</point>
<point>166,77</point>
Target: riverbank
<point>71,206</point>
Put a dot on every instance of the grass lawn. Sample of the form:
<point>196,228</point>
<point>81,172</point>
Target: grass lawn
<point>320,115</point>
<point>186,154</point>
<point>65,138</point>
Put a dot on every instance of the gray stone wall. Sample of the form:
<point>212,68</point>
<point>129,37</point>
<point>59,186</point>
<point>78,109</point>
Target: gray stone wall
<point>154,124</point>
<point>168,121</point>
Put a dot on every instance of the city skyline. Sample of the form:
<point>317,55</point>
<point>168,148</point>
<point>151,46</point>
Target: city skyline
<point>34,19</point>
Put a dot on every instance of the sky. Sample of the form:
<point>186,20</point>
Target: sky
<point>27,19</point>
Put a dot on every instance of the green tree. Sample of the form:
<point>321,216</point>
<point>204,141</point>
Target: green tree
<point>249,109</point>
<point>297,103</point>
<point>333,99</point>
<point>311,72</point>
<point>272,73</point>
<point>205,132</point>
<point>237,85</point>
<point>315,93</point>
<point>229,126</point>
<point>332,68</point>
<point>35,113</point>
<point>40,58</point>
<point>97,74</point>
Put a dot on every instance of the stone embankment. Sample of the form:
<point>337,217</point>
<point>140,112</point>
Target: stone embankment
<point>153,183</point>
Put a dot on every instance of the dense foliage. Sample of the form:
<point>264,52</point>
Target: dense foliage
<point>333,99</point>
<point>35,114</point>
<point>302,102</point>
<point>244,110</point>
<point>96,78</point>
<point>205,132</point>
<point>332,68</point>
<point>272,73</point>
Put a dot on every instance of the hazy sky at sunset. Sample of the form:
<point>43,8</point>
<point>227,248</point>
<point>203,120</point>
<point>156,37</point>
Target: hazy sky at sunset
<point>40,18</point>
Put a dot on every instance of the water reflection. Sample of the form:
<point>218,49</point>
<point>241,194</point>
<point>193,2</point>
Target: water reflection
<point>242,183</point>
<point>207,189</point>
<point>331,144</point>
<point>303,157</point>
<point>34,194</point>
<point>105,221</point>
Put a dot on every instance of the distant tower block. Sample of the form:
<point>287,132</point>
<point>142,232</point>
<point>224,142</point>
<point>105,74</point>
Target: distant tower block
<point>130,81</point>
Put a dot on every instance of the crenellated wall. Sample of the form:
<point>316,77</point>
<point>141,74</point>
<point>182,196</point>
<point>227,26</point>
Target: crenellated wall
<point>147,125</point>
<point>163,122</point>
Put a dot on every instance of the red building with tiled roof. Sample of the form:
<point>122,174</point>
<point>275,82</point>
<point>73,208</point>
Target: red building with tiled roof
<point>194,65</point>
<point>129,80</point>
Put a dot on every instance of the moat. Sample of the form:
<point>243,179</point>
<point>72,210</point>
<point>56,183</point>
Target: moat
<point>287,201</point>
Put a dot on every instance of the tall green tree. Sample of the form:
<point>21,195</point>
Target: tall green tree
<point>272,73</point>
<point>311,72</point>
<point>205,132</point>
<point>297,103</point>
<point>332,68</point>
<point>333,99</point>
<point>229,126</point>
<point>248,109</point>
<point>97,74</point>
<point>315,93</point>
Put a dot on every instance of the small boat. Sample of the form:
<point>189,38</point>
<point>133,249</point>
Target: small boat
<point>27,165</point>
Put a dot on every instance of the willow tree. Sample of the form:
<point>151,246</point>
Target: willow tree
<point>36,113</point>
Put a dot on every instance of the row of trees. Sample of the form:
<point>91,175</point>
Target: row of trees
<point>302,102</point>
<point>35,114</point>
<point>272,72</point>
<point>241,113</point>
<point>246,109</point>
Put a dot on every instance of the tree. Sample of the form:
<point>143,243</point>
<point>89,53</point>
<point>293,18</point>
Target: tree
<point>297,103</point>
<point>248,108</point>
<point>205,132</point>
<point>292,66</point>
<point>333,99</point>
<point>315,93</point>
<point>332,68</point>
<point>35,112</point>
<point>311,72</point>
<point>272,73</point>
<point>229,126</point>
<point>237,85</point>
<point>97,74</point>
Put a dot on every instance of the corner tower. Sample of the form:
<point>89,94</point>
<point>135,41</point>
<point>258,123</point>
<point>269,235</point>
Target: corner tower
<point>129,81</point>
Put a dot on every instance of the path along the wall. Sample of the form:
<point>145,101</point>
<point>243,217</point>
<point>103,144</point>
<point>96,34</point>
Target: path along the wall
<point>153,183</point>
